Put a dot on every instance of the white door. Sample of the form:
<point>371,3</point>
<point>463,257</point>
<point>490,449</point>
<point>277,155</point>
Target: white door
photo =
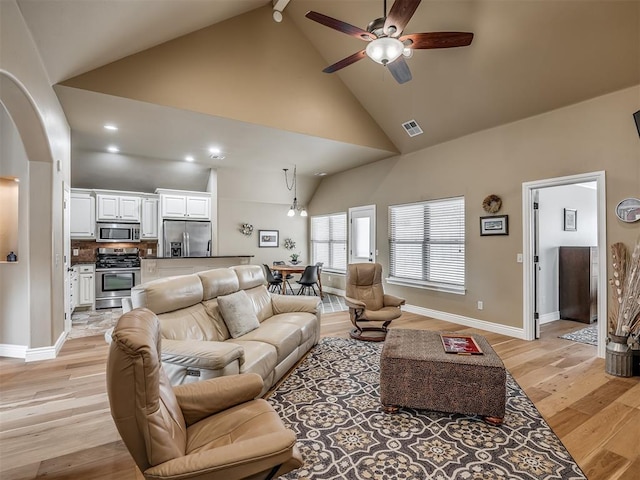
<point>66,238</point>
<point>362,234</point>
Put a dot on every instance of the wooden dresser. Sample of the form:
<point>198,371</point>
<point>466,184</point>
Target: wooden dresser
<point>578,283</point>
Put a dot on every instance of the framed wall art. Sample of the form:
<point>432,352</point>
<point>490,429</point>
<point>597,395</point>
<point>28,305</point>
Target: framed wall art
<point>268,238</point>
<point>494,225</point>
<point>570,220</point>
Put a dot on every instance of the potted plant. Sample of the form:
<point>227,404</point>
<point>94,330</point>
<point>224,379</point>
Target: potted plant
<point>624,314</point>
<point>295,258</point>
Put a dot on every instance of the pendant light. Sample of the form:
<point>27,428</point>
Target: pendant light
<point>294,186</point>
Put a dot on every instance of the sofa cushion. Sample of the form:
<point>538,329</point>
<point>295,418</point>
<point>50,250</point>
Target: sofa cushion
<point>261,300</point>
<point>259,357</point>
<point>168,294</point>
<point>249,276</point>
<point>285,337</point>
<point>306,322</point>
<point>191,323</point>
<point>217,282</point>
<point>238,314</point>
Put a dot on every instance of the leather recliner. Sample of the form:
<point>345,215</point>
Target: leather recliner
<point>368,303</point>
<point>212,429</point>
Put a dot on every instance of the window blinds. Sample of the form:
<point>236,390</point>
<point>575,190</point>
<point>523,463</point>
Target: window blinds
<point>329,241</point>
<point>426,242</point>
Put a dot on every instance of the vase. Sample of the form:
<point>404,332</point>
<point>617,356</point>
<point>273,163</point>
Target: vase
<point>619,357</point>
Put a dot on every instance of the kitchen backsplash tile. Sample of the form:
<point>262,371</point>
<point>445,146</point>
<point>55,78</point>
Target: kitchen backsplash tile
<point>87,249</point>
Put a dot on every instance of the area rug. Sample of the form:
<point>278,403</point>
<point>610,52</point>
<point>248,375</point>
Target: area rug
<point>588,335</point>
<point>333,303</point>
<point>332,403</point>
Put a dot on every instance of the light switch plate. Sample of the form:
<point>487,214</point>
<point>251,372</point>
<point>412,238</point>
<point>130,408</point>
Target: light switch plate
<point>519,258</point>
<point>149,251</point>
<point>76,252</point>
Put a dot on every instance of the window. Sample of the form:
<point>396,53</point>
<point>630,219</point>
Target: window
<point>329,241</point>
<point>426,244</point>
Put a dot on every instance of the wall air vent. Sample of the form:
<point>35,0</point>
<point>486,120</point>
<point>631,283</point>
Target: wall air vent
<point>412,128</point>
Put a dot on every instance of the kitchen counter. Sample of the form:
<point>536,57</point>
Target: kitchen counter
<point>155,268</point>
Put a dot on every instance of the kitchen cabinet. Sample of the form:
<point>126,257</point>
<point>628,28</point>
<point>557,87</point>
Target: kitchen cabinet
<point>193,207</point>
<point>86,286</point>
<point>83,289</point>
<point>118,208</point>
<point>149,224</point>
<point>83,216</point>
<point>578,283</point>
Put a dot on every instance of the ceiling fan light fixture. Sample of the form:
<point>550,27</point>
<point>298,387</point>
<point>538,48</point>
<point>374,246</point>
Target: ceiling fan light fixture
<point>384,50</point>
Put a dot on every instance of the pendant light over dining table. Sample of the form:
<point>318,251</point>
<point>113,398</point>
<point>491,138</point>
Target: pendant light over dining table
<point>294,186</point>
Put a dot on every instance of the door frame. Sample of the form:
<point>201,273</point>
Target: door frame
<point>373,231</point>
<point>66,239</point>
<point>528,303</point>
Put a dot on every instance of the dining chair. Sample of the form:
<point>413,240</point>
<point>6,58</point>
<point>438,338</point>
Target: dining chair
<point>275,284</point>
<point>286,277</point>
<point>308,279</point>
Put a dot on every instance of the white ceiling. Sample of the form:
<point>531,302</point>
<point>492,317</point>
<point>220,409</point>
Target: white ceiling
<point>527,57</point>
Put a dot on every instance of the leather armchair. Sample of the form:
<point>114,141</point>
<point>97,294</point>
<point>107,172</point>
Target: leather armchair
<point>212,429</point>
<point>368,303</point>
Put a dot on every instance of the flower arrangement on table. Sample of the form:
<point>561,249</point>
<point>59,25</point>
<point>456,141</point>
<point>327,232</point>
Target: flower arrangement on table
<point>624,314</point>
<point>295,258</point>
<point>246,229</point>
<point>289,244</point>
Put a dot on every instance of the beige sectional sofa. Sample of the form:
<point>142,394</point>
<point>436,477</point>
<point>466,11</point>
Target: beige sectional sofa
<point>196,340</point>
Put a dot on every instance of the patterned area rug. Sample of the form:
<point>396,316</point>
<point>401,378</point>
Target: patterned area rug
<point>332,403</point>
<point>588,335</point>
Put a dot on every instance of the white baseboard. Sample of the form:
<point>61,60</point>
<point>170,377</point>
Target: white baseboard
<point>549,317</point>
<point>45,353</point>
<point>335,291</point>
<point>13,351</point>
<point>467,321</point>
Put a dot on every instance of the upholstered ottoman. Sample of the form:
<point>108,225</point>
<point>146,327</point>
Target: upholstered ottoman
<point>416,372</point>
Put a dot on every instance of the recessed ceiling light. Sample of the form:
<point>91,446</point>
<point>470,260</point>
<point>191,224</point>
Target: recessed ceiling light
<point>214,150</point>
<point>320,174</point>
<point>113,149</point>
<point>189,158</point>
<point>111,127</point>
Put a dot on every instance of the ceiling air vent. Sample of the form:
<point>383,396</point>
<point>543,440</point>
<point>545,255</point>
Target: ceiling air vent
<point>412,128</point>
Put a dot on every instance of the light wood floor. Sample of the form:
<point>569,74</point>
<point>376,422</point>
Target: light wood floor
<point>55,421</point>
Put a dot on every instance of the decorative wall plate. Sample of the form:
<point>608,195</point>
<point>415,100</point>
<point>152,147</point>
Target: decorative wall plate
<point>628,210</point>
<point>492,204</point>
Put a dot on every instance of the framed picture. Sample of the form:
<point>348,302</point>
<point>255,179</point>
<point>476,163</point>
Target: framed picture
<point>570,220</point>
<point>460,344</point>
<point>268,238</point>
<point>494,225</point>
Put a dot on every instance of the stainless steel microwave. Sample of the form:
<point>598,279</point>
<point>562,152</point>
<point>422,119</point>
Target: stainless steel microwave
<point>118,232</point>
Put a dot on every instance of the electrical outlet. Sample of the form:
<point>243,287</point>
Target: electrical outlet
<point>329,277</point>
<point>149,251</point>
<point>480,305</point>
<point>519,258</point>
<point>76,252</point>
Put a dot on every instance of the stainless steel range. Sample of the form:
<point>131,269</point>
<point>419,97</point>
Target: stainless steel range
<point>117,271</point>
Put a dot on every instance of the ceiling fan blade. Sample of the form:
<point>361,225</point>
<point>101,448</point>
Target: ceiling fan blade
<point>340,26</point>
<point>345,62</point>
<point>437,40</point>
<point>400,70</point>
<point>399,15</point>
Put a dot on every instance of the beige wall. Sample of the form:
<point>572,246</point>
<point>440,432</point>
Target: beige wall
<point>9,191</point>
<point>262,200</point>
<point>595,135</point>
<point>35,301</point>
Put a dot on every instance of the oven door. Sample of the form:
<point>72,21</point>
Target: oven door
<point>113,284</point>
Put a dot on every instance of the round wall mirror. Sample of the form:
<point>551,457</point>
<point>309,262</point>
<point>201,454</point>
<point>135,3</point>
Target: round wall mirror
<point>628,210</point>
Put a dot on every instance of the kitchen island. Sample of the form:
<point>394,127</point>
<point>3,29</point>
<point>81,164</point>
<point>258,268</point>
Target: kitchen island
<point>154,268</point>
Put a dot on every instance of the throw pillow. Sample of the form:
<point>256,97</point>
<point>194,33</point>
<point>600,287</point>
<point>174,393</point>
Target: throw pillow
<point>237,313</point>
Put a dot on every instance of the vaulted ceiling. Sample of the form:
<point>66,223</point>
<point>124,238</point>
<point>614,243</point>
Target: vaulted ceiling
<point>181,76</point>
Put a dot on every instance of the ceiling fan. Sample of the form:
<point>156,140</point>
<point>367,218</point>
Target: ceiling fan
<point>386,45</point>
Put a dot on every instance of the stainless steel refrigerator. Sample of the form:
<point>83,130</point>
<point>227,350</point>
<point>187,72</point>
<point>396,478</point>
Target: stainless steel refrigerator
<point>186,238</point>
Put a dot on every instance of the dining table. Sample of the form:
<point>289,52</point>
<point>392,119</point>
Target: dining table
<point>286,269</point>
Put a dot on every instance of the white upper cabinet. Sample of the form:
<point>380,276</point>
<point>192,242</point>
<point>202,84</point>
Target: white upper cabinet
<point>118,208</point>
<point>83,216</point>
<point>185,207</point>
<point>149,224</point>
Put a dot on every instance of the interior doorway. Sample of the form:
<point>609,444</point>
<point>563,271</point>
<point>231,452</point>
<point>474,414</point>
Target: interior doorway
<point>562,216</point>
